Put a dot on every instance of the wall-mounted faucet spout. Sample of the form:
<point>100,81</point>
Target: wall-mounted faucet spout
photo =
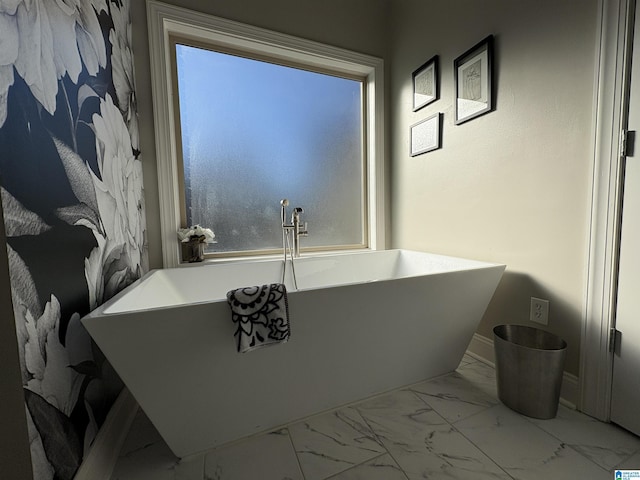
<point>299,230</point>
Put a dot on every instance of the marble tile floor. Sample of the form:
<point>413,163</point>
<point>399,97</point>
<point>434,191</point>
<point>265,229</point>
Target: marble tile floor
<point>449,427</point>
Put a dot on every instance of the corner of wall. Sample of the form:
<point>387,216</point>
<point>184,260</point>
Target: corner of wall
<point>15,458</point>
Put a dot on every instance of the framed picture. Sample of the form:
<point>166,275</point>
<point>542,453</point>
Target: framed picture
<point>473,81</point>
<point>425,135</point>
<point>425,84</point>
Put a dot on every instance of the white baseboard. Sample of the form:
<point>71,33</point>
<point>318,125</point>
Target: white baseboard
<point>481,348</point>
<point>99,463</point>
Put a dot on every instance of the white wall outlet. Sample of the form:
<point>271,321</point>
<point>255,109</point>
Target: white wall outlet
<point>539,312</point>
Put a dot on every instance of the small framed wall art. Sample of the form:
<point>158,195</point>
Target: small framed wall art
<point>425,135</point>
<point>425,84</point>
<point>473,73</point>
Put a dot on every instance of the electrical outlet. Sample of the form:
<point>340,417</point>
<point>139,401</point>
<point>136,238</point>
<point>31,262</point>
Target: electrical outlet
<point>539,312</point>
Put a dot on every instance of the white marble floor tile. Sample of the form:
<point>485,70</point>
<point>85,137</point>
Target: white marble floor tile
<point>190,469</point>
<point>399,414</point>
<point>266,457</point>
<point>525,451</point>
<point>154,463</point>
<point>423,444</point>
<point>631,463</point>
<point>145,456</point>
<point>604,443</point>
<point>333,442</point>
<point>453,396</point>
<point>482,376</point>
<point>442,453</point>
<point>380,468</point>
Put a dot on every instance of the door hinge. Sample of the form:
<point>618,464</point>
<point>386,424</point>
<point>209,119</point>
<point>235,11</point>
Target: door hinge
<point>627,143</point>
<point>614,340</point>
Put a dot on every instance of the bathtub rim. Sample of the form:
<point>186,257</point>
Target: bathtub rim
<point>103,309</point>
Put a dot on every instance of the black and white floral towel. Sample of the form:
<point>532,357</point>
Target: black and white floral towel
<point>261,315</point>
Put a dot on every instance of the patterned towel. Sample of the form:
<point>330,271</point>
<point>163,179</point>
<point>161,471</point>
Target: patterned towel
<point>261,314</point>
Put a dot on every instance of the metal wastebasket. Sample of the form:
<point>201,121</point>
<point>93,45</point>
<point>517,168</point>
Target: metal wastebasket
<point>529,368</point>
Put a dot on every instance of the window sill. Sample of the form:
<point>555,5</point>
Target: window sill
<point>271,257</point>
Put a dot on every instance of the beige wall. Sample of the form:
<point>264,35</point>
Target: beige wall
<point>358,25</point>
<point>512,186</point>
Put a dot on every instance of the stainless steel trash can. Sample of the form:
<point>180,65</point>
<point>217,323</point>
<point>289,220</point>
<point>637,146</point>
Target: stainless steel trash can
<point>529,369</point>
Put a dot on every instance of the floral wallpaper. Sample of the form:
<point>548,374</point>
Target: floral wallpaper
<point>71,190</point>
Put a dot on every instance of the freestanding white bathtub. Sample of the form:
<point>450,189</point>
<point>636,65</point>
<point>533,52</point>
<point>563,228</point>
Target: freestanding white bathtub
<point>361,324</point>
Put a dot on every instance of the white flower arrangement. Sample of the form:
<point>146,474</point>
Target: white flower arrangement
<point>196,232</point>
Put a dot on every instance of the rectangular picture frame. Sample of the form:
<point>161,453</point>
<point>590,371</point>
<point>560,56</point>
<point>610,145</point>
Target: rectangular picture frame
<point>473,79</point>
<point>425,135</point>
<point>426,84</point>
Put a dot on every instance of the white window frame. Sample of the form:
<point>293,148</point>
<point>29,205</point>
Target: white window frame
<point>166,21</point>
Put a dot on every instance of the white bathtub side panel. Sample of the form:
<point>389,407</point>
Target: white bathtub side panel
<point>346,344</point>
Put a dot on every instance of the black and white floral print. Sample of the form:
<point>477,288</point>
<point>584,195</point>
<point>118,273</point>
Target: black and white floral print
<point>72,198</point>
<point>261,315</point>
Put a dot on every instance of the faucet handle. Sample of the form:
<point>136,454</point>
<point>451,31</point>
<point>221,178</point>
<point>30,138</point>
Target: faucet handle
<point>303,232</point>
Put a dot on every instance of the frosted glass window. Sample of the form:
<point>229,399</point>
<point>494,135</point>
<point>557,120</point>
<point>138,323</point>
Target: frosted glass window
<point>255,132</point>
